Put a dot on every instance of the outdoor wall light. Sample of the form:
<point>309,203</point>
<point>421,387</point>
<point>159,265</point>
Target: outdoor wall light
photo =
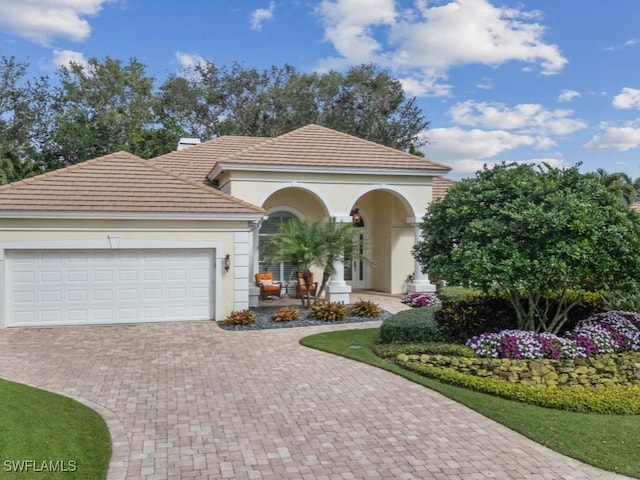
<point>356,218</point>
<point>227,262</point>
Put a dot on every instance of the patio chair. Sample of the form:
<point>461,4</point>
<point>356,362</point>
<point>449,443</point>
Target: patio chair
<point>268,287</point>
<point>301,286</point>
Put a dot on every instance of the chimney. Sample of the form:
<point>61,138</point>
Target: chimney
<point>187,142</point>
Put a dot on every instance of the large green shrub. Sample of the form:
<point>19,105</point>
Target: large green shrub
<point>522,231</point>
<point>454,293</point>
<point>417,325</point>
<point>628,301</point>
<point>474,315</point>
<point>465,315</point>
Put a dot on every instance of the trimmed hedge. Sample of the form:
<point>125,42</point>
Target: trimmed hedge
<point>417,325</point>
<point>613,400</point>
<point>600,371</point>
<point>389,350</point>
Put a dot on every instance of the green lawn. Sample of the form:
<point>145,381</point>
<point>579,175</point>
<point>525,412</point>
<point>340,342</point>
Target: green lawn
<point>607,441</point>
<point>44,435</point>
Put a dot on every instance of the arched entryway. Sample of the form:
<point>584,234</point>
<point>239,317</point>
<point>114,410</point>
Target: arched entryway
<point>386,238</point>
<point>283,271</point>
<point>282,206</point>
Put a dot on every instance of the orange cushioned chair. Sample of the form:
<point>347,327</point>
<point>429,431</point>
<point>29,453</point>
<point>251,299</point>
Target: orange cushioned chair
<point>301,286</point>
<point>268,288</point>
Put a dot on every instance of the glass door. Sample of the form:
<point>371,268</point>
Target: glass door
<point>354,268</point>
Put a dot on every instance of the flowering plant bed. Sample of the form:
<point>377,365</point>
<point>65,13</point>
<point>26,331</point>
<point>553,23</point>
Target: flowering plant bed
<point>609,332</point>
<point>420,300</point>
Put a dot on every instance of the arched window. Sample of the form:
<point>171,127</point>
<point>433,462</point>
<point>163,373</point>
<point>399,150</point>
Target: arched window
<point>271,226</point>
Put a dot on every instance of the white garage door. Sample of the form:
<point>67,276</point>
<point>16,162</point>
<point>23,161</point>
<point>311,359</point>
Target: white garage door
<point>70,287</point>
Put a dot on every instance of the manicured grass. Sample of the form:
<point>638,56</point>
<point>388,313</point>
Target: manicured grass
<point>610,442</point>
<point>38,426</point>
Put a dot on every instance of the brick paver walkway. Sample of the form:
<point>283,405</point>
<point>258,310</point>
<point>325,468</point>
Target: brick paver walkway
<point>190,400</point>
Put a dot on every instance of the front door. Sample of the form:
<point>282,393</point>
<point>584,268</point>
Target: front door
<point>355,269</point>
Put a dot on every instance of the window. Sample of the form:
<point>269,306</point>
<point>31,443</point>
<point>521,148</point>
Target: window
<point>270,227</point>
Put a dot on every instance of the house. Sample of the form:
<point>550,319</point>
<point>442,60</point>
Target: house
<point>119,239</point>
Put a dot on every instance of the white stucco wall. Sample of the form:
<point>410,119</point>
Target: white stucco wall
<point>223,237</point>
<point>339,192</point>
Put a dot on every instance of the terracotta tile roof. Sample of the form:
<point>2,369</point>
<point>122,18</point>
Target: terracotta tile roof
<point>120,182</point>
<point>441,186</point>
<point>197,161</point>
<point>318,146</point>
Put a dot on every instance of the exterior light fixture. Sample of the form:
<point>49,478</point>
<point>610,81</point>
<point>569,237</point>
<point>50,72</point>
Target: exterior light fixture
<point>227,262</point>
<point>356,218</point>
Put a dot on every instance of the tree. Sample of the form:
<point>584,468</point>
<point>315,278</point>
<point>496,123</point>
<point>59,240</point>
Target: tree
<point>103,107</point>
<point>24,114</point>
<point>307,243</point>
<point>530,234</point>
<point>13,168</point>
<point>365,102</point>
<point>618,183</point>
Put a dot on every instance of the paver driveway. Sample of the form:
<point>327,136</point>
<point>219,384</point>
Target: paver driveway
<point>189,400</point>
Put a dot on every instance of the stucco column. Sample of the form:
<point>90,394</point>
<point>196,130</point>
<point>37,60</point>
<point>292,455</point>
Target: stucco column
<point>254,292</point>
<point>420,282</point>
<point>337,288</point>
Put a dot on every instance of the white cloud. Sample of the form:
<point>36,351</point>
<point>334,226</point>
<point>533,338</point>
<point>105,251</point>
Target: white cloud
<point>485,83</point>
<point>261,15</point>
<point>425,42</point>
<point>189,60</point>
<point>568,95</point>
<point>63,58</point>
<point>628,98</point>
<point>629,43</point>
<point>348,26</point>
<point>43,20</point>
<point>448,144</point>
<point>617,138</point>
<point>467,151</point>
<point>526,118</point>
<point>420,85</point>
<point>551,161</point>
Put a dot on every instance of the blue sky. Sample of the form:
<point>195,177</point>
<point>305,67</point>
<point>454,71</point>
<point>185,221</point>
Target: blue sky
<point>499,80</point>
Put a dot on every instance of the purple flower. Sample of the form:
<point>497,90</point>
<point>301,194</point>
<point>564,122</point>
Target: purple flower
<point>419,300</point>
<point>608,332</point>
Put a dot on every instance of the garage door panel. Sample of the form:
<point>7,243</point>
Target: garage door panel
<point>103,275</point>
<point>102,295</point>
<point>50,316</point>
<point>53,277</point>
<point>51,296</point>
<point>75,287</point>
<point>78,316</point>
<point>77,276</point>
<point>79,296</point>
<point>128,275</point>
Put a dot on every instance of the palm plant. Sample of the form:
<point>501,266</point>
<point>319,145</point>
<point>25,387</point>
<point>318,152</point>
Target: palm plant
<point>307,243</point>
<point>618,183</point>
<point>13,168</point>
